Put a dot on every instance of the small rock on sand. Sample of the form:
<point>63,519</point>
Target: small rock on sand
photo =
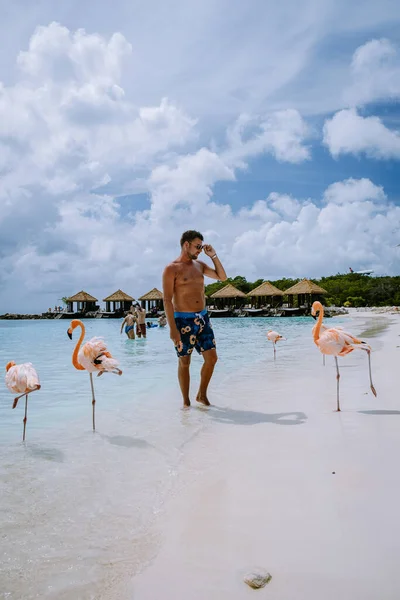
<point>257,579</point>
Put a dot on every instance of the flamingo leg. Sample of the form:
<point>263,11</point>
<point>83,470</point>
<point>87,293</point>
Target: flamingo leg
<point>323,359</point>
<point>373,390</point>
<point>337,384</point>
<point>274,350</point>
<point>25,417</point>
<point>17,398</point>
<point>24,394</point>
<point>93,401</point>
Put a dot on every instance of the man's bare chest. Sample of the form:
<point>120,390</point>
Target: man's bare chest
<point>189,277</point>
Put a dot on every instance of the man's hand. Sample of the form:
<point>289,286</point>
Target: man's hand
<point>209,250</point>
<point>175,336</point>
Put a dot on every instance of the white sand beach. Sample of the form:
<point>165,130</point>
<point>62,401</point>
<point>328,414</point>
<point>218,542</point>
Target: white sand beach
<point>282,482</point>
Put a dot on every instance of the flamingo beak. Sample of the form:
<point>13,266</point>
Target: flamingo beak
<point>313,316</point>
<point>69,334</point>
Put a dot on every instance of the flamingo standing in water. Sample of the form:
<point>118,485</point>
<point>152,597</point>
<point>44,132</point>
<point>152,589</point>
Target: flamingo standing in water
<point>93,357</point>
<point>22,379</point>
<point>274,337</point>
<point>337,342</point>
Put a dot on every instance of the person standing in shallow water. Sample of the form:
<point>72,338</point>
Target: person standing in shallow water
<point>184,305</point>
<point>141,321</point>
<point>129,322</point>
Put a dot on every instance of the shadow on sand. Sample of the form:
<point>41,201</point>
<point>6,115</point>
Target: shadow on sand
<point>379,412</point>
<point>249,417</point>
<point>126,441</point>
<point>51,454</point>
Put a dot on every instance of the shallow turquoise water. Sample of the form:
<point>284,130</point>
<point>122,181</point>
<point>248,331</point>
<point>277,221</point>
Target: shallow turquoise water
<point>77,507</point>
<point>149,369</point>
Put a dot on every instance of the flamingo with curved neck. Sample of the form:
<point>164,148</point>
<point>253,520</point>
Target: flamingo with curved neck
<point>336,342</point>
<point>75,362</point>
<point>93,357</point>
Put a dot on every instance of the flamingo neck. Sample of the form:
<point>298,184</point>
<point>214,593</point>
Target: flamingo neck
<point>317,327</point>
<point>75,361</point>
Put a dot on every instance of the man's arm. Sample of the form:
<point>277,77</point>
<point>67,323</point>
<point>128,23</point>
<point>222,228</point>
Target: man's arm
<point>168,294</point>
<point>218,272</point>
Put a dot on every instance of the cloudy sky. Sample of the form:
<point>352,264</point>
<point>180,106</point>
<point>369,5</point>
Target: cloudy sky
<point>273,128</point>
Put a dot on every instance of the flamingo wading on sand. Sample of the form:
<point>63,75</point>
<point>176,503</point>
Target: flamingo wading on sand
<point>93,357</point>
<point>274,337</point>
<point>337,342</point>
<point>22,379</point>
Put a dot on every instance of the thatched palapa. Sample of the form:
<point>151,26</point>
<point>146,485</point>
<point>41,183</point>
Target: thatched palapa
<point>118,296</point>
<point>306,291</point>
<point>305,286</point>
<point>228,291</point>
<point>82,297</point>
<point>265,289</point>
<point>153,299</point>
<point>120,301</point>
<point>85,302</point>
<point>153,294</point>
<point>227,297</point>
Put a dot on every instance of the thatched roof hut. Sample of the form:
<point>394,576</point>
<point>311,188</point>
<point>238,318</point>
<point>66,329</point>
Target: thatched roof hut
<point>227,296</point>
<point>153,298</point>
<point>305,286</point>
<point>265,289</point>
<point>120,301</point>
<point>153,294</point>
<point>85,302</point>
<point>82,297</point>
<point>306,291</point>
<point>119,296</point>
<point>228,291</point>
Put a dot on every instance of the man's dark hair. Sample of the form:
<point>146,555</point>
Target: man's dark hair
<point>189,236</point>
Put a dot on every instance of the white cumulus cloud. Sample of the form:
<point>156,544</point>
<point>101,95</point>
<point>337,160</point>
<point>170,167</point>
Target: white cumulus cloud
<point>349,133</point>
<point>282,134</point>
<point>73,142</point>
<point>375,70</point>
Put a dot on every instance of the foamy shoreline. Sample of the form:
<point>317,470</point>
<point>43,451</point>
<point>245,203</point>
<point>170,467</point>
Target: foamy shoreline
<point>309,494</point>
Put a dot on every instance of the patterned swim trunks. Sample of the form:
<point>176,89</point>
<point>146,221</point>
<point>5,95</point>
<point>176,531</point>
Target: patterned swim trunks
<point>196,332</point>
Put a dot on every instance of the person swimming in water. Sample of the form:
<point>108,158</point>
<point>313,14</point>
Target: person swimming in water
<point>129,323</point>
<point>162,321</point>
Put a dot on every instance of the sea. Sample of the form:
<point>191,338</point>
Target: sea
<point>78,508</point>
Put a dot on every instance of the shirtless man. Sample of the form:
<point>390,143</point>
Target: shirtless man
<point>141,321</point>
<point>129,323</point>
<point>184,304</point>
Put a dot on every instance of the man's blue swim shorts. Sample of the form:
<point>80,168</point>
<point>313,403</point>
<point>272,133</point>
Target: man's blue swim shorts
<point>196,332</point>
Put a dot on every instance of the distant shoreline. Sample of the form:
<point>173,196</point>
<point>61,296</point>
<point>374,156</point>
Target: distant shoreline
<point>27,317</point>
<point>335,311</point>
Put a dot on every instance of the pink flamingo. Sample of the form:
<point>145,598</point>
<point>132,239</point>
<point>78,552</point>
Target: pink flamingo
<point>274,337</point>
<point>93,357</point>
<point>337,342</point>
<point>22,379</point>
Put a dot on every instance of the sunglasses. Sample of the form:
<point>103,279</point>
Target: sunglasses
<point>197,246</point>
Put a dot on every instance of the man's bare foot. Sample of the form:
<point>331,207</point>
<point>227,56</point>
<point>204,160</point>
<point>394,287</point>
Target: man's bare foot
<point>202,400</point>
<point>186,403</point>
